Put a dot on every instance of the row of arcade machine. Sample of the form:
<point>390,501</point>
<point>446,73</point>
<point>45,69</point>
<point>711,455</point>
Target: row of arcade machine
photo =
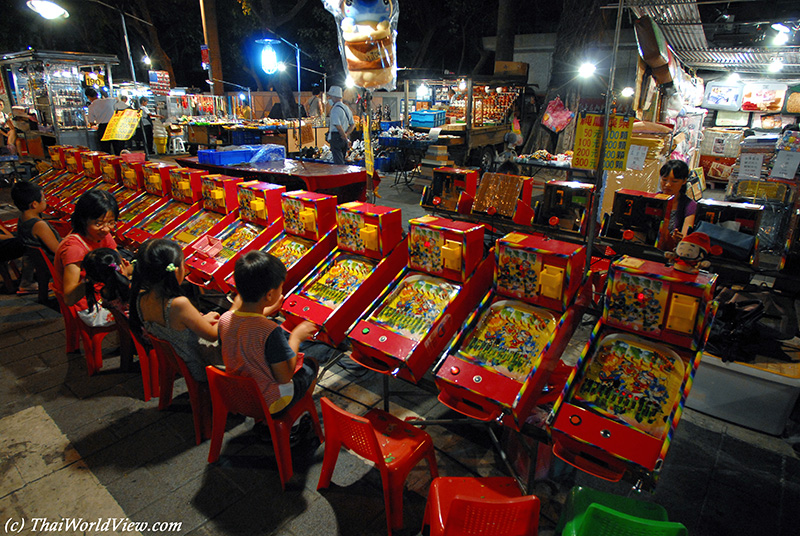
<point>637,217</point>
<point>490,326</point>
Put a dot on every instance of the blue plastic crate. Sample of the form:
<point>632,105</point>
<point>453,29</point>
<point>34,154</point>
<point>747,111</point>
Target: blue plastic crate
<point>428,118</point>
<point>245,137</point>
<point>382,163</point>
<point>223,158</point>
<point>386,125</point>
<point>389,141</point>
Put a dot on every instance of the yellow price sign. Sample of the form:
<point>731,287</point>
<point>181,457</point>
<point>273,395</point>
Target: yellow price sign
<point>588,135</point>
<point>369,156</point>
<point>122,125</point>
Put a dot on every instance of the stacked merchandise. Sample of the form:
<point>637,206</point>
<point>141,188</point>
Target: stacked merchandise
<point>759,149</point>
<point>718,152</point>
<point>758,178</point>
<point>435,157</point>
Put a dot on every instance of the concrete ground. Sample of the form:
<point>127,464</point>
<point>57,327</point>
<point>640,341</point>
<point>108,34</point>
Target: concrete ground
<point>74,447</point>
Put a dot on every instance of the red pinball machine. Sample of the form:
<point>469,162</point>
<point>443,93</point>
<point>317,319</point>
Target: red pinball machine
<point>69,184</point>
<point>308,235</point>
<point>111,174</point>
<point>143,201</point>
<point>621,404</point>
<point>451,190</point>
<point>408,326</point>
<point>640,217</point>
<point>566,206</point>
<point>260,219</point>
<point>163,204</point>
<point>218,207</point>
<point>500,363</point>
<point>370,252</point>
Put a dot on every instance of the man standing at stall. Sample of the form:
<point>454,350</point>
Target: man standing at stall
<point>341,126</point>
<point>100,113</point>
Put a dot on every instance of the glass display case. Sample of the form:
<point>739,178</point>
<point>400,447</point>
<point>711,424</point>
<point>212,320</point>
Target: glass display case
<point>52,84</point>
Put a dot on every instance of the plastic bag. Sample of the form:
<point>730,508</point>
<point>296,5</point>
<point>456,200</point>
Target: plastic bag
<point>269,152</point>
<point>97,317</point>
<point>367,32</point>
<point>556,116</point>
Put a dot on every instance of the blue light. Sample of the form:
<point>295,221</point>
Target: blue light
<point>269,59</point>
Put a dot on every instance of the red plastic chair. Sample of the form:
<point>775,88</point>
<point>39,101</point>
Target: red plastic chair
<point>92,338</point>
<point>491,506</point>
<point>148,361</point>
<point>393,445</point>
<point>231,393</point>
<point>171,365</point>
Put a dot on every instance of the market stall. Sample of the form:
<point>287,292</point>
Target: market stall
<point>51,86</point>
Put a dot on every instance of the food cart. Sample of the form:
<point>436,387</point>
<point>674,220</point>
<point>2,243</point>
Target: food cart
<point>476,119</point>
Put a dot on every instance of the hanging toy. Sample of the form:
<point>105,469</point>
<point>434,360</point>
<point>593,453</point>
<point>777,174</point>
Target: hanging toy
<point>690,253</point>
<point>367,33</point>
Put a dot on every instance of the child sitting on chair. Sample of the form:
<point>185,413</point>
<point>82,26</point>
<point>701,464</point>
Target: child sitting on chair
<point>104,270</point>
<point>256,346</point>
<point>31,229</point>
<point>158,306</point>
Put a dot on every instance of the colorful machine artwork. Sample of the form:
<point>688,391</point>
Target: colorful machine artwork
<point>637,303</point>
<point>339,280</point>
<point>508,337</point>
<point>290,249</point>
<point>425,249</point>
<point>633,380</point>
<point>517,271</point>
<point>415,305</point>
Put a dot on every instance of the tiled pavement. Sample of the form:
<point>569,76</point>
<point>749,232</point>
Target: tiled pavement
<point>74,446</point>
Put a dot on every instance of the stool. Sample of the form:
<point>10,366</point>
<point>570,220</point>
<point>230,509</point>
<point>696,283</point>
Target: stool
<point>177,145</point>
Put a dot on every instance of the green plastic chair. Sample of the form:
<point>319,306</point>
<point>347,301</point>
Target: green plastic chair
<point>601,520</point>
<point>580,498</point>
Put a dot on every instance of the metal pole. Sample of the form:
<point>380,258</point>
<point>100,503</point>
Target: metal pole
<point>128,46</point>
<point>250,103</point>
<point>299,106</point>
<point>598,181</point>
<point>133,76</point>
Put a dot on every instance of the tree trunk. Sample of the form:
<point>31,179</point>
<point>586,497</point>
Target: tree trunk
<point>286,95</point>
<point>208,11</point>
<point>580,23</point>
<point>504,48</point>
<point>150,33</point>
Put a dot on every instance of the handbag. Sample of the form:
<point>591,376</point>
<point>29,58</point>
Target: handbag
<point>734,334</point>
<point>97,317</point>
<point>734,244</point>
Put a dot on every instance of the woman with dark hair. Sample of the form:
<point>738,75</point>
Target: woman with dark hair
<point>674,176</point>
<point>159,307</point>
<point>93,220</point>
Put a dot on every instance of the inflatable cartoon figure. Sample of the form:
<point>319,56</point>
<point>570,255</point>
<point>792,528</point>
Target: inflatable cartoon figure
<point>367,29</point>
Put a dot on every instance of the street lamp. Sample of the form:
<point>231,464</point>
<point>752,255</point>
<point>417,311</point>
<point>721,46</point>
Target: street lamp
<point>268,51</point>
<point>47,9</point>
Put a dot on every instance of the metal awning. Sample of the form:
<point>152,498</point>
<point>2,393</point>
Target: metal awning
<point>682,26</point>
<point>82,58</point>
